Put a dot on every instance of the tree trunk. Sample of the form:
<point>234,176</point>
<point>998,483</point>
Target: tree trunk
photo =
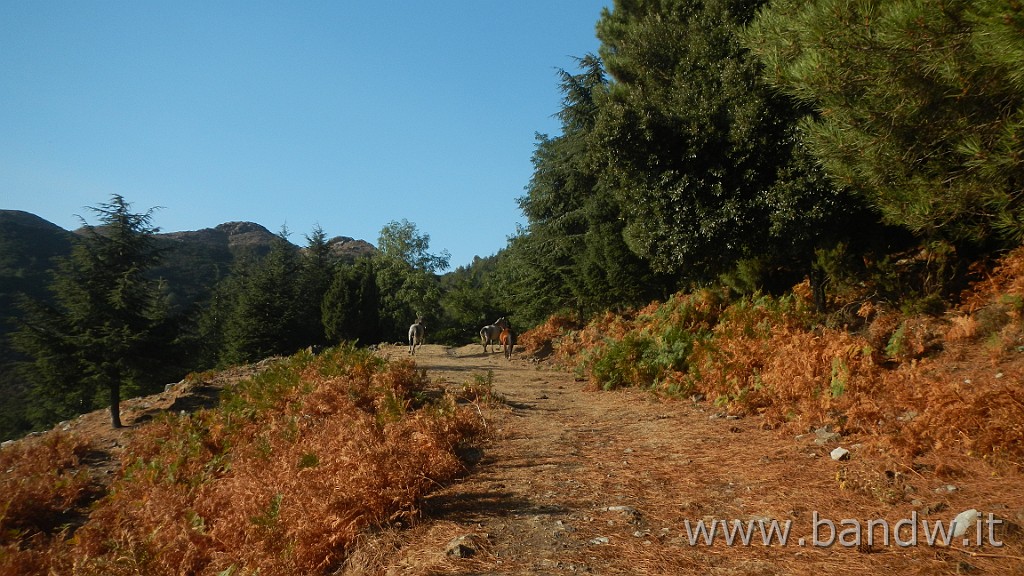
<point>115,404</point>
<point>818,278</point>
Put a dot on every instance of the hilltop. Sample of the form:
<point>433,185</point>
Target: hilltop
<point>193,260</point>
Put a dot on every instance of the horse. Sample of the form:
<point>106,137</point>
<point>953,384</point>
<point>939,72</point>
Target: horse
<point>416,334</point>
<point>508,341</point>
<point>491,333</point>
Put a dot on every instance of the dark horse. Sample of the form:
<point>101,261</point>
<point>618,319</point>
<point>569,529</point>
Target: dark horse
<point>508,341</point>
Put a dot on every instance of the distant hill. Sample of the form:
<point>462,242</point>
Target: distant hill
<point>28,245</point>
<point>193,262</point>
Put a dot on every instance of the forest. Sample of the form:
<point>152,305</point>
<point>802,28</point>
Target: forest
<point>870,152</point>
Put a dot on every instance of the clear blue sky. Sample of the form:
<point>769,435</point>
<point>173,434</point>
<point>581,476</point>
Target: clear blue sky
<point>341,114</point>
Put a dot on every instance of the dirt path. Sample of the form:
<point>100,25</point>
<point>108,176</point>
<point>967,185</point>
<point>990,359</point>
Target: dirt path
<point>578,481</point>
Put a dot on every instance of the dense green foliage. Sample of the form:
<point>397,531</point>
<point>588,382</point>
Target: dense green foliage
<point>263,317</point>
<point>702,152</point>
<point>407,278</point>
<point>472,297</point>
<point>918,105</point>
<point>28,245</point>
<point>351,306</point>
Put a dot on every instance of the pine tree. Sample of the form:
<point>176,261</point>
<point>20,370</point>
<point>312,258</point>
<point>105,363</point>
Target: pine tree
<point>918,105</point>
<point>316,272</point>
<point>108,321</point>
<point>350,309</point>
<point>572,256</point>
<point>263,315</point>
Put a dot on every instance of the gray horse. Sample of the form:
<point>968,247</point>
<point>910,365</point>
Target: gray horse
<point>491,334</point>
<point>416,334</point>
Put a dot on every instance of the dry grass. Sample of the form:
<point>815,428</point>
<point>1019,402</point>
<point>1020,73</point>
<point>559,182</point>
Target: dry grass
<point>537,342</point>
<point>280,479</point>
<point>43,489</point>
<point>41,483</point>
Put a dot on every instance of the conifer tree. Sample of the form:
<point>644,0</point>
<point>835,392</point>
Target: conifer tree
<point>316,272</point>
<point>108,324</point>
<point>263,315</point>
<point>572,256</point>
<point>350,309</point>
<point>918,105</point>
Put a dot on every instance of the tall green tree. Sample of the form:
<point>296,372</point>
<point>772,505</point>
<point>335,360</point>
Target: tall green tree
<point>407,277</point>
<point>703,154</point>
<point>316,273</point>
<point>918,105</point>
<point>350,308</point>
<point>108,326</point>
<point>572,256</point>
<point>263,316</point>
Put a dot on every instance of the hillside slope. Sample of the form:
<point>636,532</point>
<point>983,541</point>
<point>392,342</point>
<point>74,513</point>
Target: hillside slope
<point>809,449</point>
<point>576,480</point>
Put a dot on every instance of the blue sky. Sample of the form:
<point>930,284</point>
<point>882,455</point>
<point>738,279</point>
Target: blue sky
<point>341,114</point>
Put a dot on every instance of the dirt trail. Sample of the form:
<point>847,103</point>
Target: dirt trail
<point>575,481</point>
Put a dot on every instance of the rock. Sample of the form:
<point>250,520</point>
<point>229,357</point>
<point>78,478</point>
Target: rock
<point>965,521</point>
<point>463,547</point>
<point>825,435</point>
<point>840,454</point>
<point>600,540</point>
<point>631,514</point>
<point>933,508</point>
<point>947,489</point>
<point>907,416</point>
